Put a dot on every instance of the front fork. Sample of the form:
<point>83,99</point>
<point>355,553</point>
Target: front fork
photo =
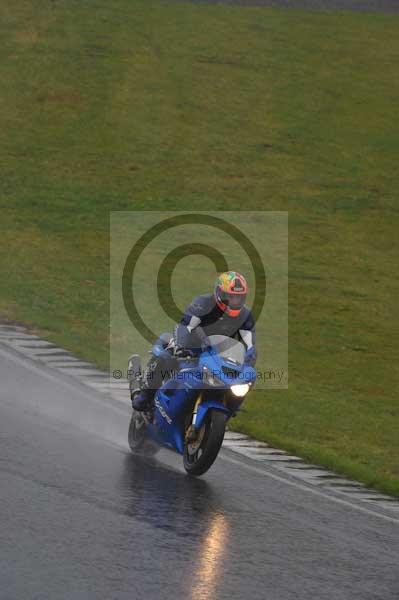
<point>191,431</point>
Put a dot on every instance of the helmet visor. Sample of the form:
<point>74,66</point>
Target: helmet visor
<point>234,301</point>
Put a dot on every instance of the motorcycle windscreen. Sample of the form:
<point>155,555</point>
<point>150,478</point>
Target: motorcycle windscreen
<point>228,348</point>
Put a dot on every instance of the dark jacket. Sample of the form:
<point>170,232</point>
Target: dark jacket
<point>204,313</point>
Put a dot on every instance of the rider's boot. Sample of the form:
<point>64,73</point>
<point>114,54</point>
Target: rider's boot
<point>143,397</point>
<point>143,400</point>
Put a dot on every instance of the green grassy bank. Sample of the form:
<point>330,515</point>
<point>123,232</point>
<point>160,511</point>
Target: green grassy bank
<point>150,105</point>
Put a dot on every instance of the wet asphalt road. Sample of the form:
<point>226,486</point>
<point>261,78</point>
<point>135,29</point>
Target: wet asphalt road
<point>81,518</point>
<point>378,6</point>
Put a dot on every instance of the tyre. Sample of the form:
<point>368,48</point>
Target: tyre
<point>199,455</point>
<point>137,431</point>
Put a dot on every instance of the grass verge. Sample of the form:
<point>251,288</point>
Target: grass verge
<point>147,105</point>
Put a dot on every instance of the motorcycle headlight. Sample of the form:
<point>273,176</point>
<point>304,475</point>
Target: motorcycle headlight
<point>240,390</point>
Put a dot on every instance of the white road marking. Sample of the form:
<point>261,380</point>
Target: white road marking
<point>36,344</point>
<point>59,363</point>
<point>79,371</point>
<point>311,490</point>
<point>37,352</point>
<point>17,336</point>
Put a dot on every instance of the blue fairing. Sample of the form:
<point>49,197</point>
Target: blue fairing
<point>176,398</point>
<point>204,408</point>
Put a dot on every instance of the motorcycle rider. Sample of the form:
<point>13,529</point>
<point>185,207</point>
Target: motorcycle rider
<point>221,313</point>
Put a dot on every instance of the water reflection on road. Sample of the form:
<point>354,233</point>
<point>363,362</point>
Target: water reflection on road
<point>182,506</point>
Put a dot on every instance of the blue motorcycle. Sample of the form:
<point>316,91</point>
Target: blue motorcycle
<point>195,401</point>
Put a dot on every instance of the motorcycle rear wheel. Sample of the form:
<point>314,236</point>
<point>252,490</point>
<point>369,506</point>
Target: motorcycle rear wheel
<point>137,431</point>
<point>199,456</point>
<point>138,441</point>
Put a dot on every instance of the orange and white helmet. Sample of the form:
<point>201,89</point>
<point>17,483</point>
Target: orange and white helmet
<point>231,292</point>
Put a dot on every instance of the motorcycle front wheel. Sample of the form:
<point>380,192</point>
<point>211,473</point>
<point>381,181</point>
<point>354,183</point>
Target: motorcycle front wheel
<point>199,455</point>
